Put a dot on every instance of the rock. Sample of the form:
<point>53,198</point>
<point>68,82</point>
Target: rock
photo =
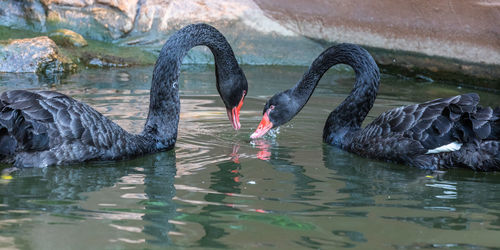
<point>437,28</point>
<point>98,19</point>
<point>14,15</point>
<point>174,14</point>
<point>424,38</point>
<point>37,55</point>
<point>68,38</point>
<point>128,7</point>
<point>255,38</point>
<point>23,14</point>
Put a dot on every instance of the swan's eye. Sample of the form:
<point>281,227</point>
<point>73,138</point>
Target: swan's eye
<point>271,107</point>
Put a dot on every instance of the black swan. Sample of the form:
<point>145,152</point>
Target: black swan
<point>439,134</point>
<point>42,128</point>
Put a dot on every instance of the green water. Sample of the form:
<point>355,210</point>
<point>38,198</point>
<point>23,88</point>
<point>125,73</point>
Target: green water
<point>218,189</point>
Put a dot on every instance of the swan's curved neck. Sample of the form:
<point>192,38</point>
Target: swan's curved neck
<point>352,111</point>
<point>164,108</point>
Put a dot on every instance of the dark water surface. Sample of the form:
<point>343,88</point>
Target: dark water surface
<point>218,189</point>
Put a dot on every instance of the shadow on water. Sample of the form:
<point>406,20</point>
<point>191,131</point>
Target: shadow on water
<point>59,192</point>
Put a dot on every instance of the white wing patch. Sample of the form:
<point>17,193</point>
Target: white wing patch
<point>454,146</point>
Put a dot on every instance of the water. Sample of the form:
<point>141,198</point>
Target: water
<point>218,189</point>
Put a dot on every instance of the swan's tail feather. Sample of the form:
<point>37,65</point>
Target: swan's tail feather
<point>482,157</point>
<point>17,133</point>
<point>494,150</point>
<point>495,128</point>
<point>7,144</point>
<point>478,125</point>
<point>481,122</point>
<point>483,150</point>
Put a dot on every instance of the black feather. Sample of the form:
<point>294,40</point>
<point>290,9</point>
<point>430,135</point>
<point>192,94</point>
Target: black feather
<point>7,143</point>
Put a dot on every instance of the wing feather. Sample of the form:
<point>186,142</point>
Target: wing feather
<point>39,120</point>
<point>438,122</point>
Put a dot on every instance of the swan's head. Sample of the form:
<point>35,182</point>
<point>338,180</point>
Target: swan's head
<point>233,90</point>
<point>278,110</point>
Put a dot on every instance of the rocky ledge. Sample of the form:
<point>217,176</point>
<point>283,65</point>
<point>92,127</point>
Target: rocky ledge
<point>456,41</point>
<point>34,55</point>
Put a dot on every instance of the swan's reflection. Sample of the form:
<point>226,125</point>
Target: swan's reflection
<point>133,197</point>
<point>223,197</point>
<point>159,188</point>
<point>387,193</point>
<point>264,147</point>
<point>369,178</point>
<point>280,158</point>
<point>306,197</point>
<point>235,156</point>
<point>226,182</point>
<point>434,198</point>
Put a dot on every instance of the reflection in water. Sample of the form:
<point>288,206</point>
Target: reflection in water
<point>63,192</point>
<point>385,193</point>
<point>363,179</point>
<point>235,157</point>
<point>159,208</point>
<point>226,181</point>
<point>279,157</point>
<point>386,185</point>
<point>304,192</point>
<point>264,147</point>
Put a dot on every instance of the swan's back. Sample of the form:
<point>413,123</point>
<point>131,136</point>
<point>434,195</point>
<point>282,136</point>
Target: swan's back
<point>42,128</point>
<point>442,133</point>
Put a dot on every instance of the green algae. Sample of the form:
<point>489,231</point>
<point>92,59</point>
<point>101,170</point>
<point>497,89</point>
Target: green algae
<point>7,33</point>
<point>110,55</point>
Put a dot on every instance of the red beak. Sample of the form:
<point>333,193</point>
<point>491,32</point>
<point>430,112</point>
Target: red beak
<point>264,126</point>
<point>234,115</point>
